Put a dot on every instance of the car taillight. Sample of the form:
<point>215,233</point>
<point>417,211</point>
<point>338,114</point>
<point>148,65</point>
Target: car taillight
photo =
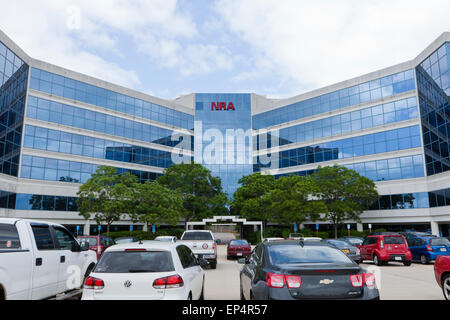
<point>293,282</point>
<point>93,283</point>
<point>381,244</point>
<point>214,246</point>
<point>369,279</point>
<point>168,282</point>
<point>358,280</point>
<point>429,248</point>
<point>275,280</point>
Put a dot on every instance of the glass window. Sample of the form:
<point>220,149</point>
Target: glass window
<point>64,239</point>
<point>43,238</point>
<point>9,237</point>
<point>133,262</point>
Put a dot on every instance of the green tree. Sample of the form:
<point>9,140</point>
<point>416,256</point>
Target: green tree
<point>201,193</point>
<point>293,199</point>
<point>249,201</point>
<point>156,204</point>
<point>106,196</point>
<point>345,193</point>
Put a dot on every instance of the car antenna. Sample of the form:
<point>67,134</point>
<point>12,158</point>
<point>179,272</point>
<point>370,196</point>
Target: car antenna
<point>140,241</point>
<point>300,242</point>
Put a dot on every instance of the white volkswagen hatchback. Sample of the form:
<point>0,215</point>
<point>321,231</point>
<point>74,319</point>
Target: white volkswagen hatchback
<point>152,270</point>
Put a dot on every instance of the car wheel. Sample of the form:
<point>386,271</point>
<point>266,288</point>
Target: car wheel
<point>377,261</point>
<point>241,294</point>
<point>446,286</point>
<point>214,264</point>
<point>424,259</point>
<point>228,258</point>
<point>202,295</point>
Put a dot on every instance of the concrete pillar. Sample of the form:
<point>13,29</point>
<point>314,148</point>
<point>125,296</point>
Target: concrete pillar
<point>359,227</point>
<point>435,228</point>
<point>86,228</point>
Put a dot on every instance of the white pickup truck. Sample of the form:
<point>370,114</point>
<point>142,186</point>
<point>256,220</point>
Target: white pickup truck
<point>202,244</point>
<point>41,260</point>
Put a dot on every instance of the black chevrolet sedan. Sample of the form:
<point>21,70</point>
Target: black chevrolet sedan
<point>294,270</point>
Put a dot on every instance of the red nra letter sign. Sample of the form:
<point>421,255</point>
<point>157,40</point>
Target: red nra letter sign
<point>222,106</point>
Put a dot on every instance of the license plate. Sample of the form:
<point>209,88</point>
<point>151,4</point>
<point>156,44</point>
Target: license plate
<point>443,249</point>
<point>345,251</point>
<point>239,254</point>
<point>398,258</point>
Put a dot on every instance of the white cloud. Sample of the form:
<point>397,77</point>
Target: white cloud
<point>68,34</point>
<point>317,43</point>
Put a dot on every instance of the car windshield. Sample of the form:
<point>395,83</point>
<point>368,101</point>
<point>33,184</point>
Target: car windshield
<point>339,243</point>
<point>91,241</point>
<point>197,236</point>
<point>354,240</point>
<point>166,239</point>
<point>296,254</point>
<point>238,242</point>
<point>439,242</point>
<point>132,261</point>
<point>124,240</point>
<point>394,240</point>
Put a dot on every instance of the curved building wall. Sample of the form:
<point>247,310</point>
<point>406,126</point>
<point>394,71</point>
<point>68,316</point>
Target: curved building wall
<point>57,126</point>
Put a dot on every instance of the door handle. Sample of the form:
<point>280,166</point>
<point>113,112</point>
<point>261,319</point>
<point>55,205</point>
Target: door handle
<point>62,259</point>
<point>39,261</point>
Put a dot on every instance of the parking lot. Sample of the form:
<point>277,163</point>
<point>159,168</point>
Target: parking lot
<point>398,282</point>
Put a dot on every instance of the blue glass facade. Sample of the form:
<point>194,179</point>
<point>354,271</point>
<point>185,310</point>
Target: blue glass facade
<point>381,170</point>
<point>433,82</point>
<point>365,92</point>
<point>76,90</point>
<point>76,144</point>
<point>41,168</point>
<point>223,138</point>
<point>50,111</point>
<point>401,110</point>
<point>387,126</point>
<point>385,141</point>
<point>13,87</point>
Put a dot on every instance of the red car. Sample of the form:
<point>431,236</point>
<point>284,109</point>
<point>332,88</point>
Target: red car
<point>238,248</point>
<point>97,243</point>
<point>442,274</point>
<point>384,248</point>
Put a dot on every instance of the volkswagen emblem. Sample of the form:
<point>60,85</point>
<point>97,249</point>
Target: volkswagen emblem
<point>326,281</point>
<point>127,284</point>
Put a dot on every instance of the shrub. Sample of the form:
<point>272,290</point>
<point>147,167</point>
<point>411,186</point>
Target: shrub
<point>143,235</point>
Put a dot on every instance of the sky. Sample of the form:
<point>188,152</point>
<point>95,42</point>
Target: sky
<point>279,49</point>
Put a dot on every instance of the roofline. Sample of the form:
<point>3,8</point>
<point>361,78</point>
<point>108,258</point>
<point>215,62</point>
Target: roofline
<point>262,104</point>
<point>49,67</point>
<point>278,103</point>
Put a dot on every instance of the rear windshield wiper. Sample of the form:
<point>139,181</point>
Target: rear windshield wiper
<point>140,270</point>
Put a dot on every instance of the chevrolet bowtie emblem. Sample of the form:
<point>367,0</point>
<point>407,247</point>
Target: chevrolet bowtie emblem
<point>326,281</point>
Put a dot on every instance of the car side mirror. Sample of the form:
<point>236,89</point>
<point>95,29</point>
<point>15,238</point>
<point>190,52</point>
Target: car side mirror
<point>202,262</point>
<point>84,246</point>
<point>75,247</point>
